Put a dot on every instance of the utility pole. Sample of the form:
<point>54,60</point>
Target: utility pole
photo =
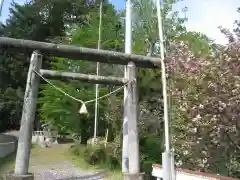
<point>98,69</point>
<point>167,156</point>
<point>128,50</point>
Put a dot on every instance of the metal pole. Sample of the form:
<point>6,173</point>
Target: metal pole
<point>167,138</point>
<point>98,69</point>
<point>128,50</point>
<point>166,157</point>
<point>28,116</point>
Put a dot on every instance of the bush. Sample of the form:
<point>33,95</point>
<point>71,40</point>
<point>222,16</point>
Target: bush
<point>96,155</point>
<point>77,150</point>
<point>110,157</point>
<point>146,147</point>
<point>151,152</point>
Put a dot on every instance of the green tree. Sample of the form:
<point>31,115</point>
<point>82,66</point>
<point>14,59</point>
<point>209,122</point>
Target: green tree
<point>145,25</point>
<point>35,20</point>
<point>53,104</point>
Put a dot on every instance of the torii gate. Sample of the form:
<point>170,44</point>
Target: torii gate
<point>76,53</point>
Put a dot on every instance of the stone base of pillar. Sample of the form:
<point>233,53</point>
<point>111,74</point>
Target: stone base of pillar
<point>128,176</point>
<point>12,176</point>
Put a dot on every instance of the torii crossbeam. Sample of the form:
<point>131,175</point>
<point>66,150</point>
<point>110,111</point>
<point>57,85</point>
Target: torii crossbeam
<point>78,53</point>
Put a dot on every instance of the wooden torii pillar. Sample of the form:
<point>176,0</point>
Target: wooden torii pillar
<point>76,53</point>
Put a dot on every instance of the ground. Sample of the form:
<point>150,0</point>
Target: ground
<point>55,163</point>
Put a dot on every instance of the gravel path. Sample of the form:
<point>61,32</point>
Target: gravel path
<point>64,170</point>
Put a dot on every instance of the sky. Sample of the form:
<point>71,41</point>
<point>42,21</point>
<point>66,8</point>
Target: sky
<point>204,16</point>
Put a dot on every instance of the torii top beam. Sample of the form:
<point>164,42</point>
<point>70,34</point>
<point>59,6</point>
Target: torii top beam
<point>79,53</point>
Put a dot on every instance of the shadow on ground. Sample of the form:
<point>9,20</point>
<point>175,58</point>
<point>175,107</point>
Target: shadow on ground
<point>96,176</point>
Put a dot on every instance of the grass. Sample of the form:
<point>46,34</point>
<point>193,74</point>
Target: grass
<point>39,155</point>
<point>7,163</point>
<point>46,156</point>
<point>80,162</point>
<point>112,174</point>
<point>116,175</point>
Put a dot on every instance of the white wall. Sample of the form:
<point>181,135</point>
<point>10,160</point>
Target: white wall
<point>8,144</point>
<point>158,172</point>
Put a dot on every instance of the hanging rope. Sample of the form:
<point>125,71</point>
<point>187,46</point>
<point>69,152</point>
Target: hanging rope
<point>76,99</point>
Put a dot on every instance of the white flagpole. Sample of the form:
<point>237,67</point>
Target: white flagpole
<point>167,159</point>
<point>98,67</point>
<point>128,50</point>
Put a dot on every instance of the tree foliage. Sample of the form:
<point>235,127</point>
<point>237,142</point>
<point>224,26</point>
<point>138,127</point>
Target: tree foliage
<point>61,111</point>
<point>35,20</point>
<point>205,104</point>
